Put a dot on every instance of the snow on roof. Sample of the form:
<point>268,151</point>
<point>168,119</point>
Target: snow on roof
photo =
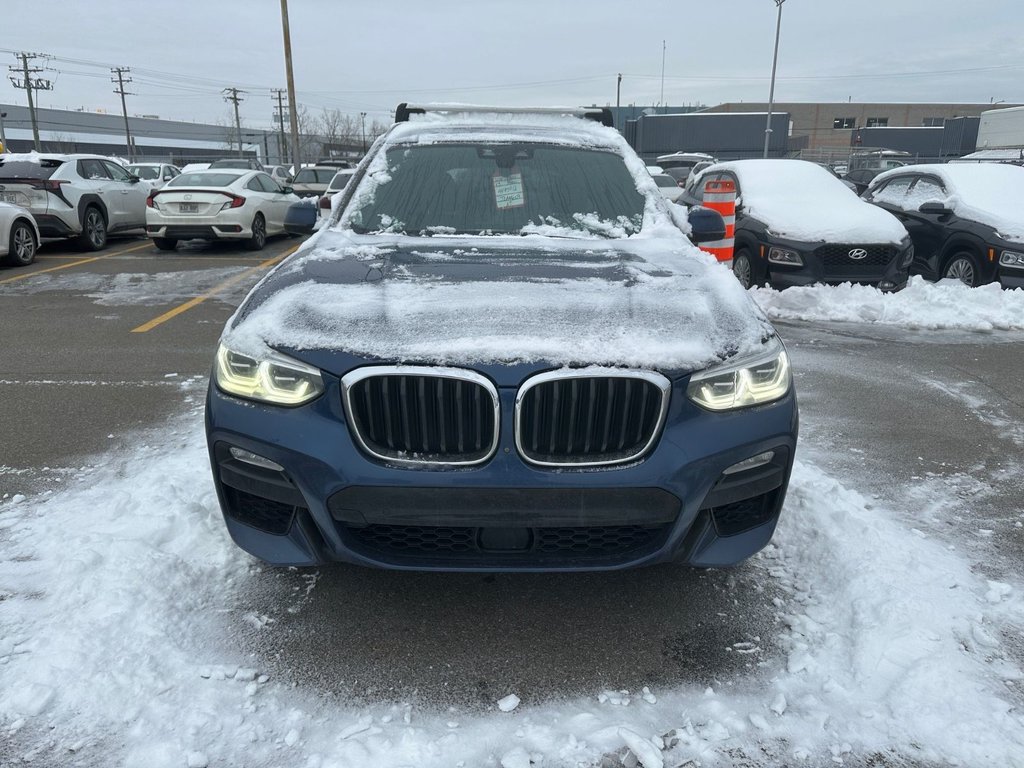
<point>990,193</point>
<point>800,200</point>
<point>992,155</point>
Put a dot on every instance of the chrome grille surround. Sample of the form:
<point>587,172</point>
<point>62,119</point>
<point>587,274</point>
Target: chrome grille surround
<point>590,375</point>
<point>350,384</point>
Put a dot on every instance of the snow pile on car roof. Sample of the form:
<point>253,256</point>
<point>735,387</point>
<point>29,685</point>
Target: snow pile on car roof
<point>802,201</point>
<point>946,305</point>
<point>991,193</point>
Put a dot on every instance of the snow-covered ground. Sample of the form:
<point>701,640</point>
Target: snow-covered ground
<point>122,602</point>
<point>948,304</point>
<point>892,641</point>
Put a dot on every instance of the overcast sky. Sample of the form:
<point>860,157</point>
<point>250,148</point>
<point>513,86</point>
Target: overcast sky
<point>368,56</point>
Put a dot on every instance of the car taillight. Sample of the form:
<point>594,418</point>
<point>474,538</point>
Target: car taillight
<point>53,185</point>
<point>151,202</point>
<point>325,202</point>
<point>234,202</point>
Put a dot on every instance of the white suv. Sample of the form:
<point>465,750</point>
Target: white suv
<point>79,196</point>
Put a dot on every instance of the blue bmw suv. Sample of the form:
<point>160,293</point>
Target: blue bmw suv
<point>502,353</point>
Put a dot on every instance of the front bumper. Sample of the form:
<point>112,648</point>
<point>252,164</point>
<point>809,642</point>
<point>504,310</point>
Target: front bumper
<point>835,267</point>
<point>332,502</point>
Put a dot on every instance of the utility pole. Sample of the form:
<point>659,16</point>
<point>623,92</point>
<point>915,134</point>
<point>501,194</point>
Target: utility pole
<point>121,81</point>
<point>618,94</point>
<point>362,129</point>
<point>663,77</point>
<point>279,93</point>
<point>28,84</point>
<point>3,136</point>
<point>293,112</point>
<point>232,95</point>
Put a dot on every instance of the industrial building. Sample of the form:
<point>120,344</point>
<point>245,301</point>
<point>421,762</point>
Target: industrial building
<point>153,139</point>
<point>823,131</point>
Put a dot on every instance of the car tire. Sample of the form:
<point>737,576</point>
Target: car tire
<point>259,234</point>
<point>22,245</point>
<point>965,267</point>
<point>745,270</point>
<point>165,243</point>
<point>94,230</point>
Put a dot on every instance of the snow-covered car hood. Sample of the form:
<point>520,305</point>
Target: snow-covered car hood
<point>644,302</point>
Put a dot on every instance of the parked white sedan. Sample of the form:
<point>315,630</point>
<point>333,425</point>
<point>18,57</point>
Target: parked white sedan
<point>218,204</point>
<point>19,236</point>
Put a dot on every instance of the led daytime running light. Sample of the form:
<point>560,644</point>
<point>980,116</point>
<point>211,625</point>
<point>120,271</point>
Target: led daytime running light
<point>274,379</point>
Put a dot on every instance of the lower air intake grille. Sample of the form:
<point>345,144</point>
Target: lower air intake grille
<point>589,417</point>
<point>412,415</point>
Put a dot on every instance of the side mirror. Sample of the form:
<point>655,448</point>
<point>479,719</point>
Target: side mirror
<point>935,207</point>
<point>707,225</point>
<point>287,190</point>
<point>168,177</point>
<point>300,219</point>
<point>133,180</point>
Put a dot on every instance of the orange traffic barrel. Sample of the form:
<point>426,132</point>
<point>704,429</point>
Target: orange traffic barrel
<point>720,196</point>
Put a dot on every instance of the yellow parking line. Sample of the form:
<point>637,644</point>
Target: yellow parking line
<point>172,313</point>
<point>73,264</point>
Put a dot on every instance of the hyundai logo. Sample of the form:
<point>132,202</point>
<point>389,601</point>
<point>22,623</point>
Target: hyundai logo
<point>189,197</point>
<point>858,253</point>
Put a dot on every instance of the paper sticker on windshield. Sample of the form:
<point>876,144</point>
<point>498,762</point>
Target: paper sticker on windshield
<point>508,191</point>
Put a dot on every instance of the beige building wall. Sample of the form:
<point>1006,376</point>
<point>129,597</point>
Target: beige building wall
<point>817,121</point>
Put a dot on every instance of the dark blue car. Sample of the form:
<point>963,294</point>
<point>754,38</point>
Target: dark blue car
<point>502,353</point>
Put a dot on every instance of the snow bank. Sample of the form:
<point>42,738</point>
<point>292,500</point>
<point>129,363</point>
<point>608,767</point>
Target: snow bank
<point>121,598</point>
<point>803,201</point>
<point>948,304</point>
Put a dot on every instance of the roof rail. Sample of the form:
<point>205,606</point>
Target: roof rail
<point>602,115</point>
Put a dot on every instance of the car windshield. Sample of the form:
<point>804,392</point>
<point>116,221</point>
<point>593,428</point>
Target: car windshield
<point>315,176</point>
<point>145,171</point>
<point>501,189</point>
<point>203,179</point>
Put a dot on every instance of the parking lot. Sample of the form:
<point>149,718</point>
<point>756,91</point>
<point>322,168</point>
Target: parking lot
<point>907,474</point>
<point>98,344</point>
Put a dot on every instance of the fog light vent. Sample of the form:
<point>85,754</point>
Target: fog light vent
<point>753,462</point>
<point>257,461</point>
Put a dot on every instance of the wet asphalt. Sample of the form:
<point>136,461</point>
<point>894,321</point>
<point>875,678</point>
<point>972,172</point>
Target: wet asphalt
<point>891,412</point>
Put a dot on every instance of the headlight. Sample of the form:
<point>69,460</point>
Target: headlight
<point>273,378</point>
<point>784,256</point>
<point>754,380</point>
<point>1012,259</point>
<point>908,257</point>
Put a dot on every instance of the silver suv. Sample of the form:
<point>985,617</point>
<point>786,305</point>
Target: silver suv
<point>77,196</point>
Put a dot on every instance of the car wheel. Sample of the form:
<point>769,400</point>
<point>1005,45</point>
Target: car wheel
<point>963,266</point>
<point>259,234</point>
<point>165,243</point>
<point>94,230</point>
<point>743,268</point>
<point>22,245</point>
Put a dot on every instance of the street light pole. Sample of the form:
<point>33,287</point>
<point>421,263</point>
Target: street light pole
<point>771,92</point>
<point>362,129</point>
<point>3,136</point>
